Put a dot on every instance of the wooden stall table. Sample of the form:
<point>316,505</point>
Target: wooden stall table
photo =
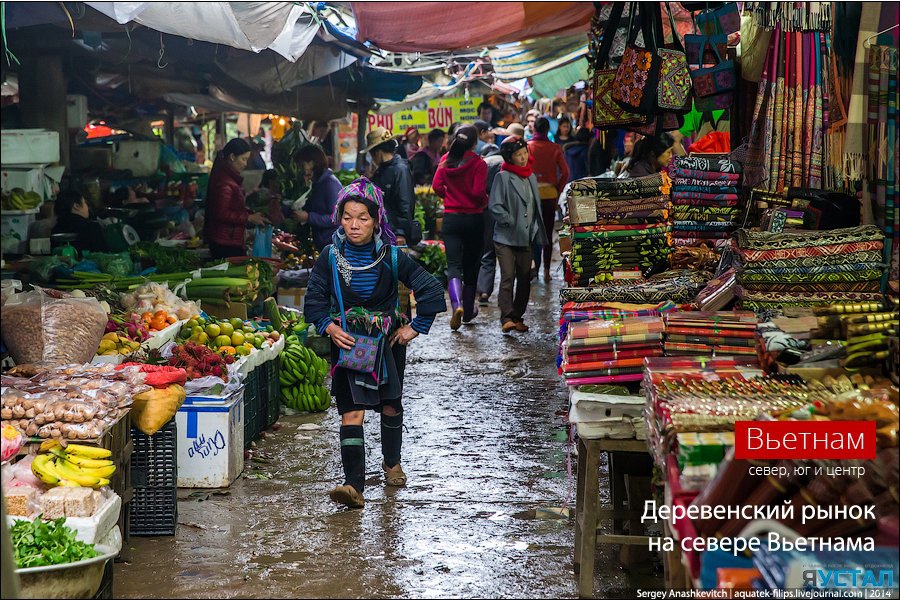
<point>589,514</point>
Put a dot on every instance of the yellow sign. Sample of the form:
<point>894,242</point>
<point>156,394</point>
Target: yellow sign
<point>439,114</point>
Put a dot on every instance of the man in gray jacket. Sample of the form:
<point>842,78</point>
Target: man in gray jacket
<point>516,207</point>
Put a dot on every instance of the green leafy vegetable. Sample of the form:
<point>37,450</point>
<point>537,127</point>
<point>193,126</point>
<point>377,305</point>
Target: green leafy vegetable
<point>38,544</point>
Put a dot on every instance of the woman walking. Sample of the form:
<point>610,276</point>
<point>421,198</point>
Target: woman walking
<point>227,215</point>
<point>353,293</point>
<point>563,130</point>
<point>552,174</point>
<point>461,180</point>
<point>516,207</point>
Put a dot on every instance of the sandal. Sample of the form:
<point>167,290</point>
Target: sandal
<point>394,476</point>
<point>484,299</point>
<point>347,495</point>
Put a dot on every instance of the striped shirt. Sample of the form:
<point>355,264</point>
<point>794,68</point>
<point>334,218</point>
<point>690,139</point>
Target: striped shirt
<point>363,282</point>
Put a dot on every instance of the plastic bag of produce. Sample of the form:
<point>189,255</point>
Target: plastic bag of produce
<point>159,376</point>
<point>58,331</point>
<point>11,439</point>
<point>152,410</point>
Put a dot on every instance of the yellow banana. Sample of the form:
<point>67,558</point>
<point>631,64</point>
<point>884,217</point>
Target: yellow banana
<point>67,483</point>
<point>72,472</point>
<point>98,472</point>
<point>86,463</point>
<point>88,451</point>
<point>41,469</point>
<point>102,483</point>
<point>48,445</point>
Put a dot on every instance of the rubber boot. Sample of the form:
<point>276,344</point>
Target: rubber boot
<point>470,308</point>
<point>456,311</point>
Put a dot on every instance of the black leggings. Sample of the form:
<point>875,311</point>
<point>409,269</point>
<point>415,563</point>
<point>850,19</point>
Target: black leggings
<point>464,241</point>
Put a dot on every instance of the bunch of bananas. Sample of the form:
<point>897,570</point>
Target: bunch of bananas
<point>75,465</point>
<point>19,199</point>
<point>303,378</point>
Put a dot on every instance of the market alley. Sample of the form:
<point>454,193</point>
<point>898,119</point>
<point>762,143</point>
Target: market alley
<point>485,449</point>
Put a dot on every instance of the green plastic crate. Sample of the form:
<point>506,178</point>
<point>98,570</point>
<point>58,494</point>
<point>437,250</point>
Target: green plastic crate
<point>273,391</point>
<point>253,408</point>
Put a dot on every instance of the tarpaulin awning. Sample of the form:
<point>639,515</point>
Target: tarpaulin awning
<point>533,57</point>
<point>314,103</point>
<point>285,27</point>
<point>549,83</point>
<point>269,74</point>
<point>430,26</point>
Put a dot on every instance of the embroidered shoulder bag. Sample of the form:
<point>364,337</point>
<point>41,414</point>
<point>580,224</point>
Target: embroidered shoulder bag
<point>714,86</point>
<point>674,92</point>
<point>637,79</point>
<point>367,352</point>
<point>606,112</point>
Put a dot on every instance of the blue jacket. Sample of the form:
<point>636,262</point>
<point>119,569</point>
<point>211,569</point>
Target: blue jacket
<point>320,206</point>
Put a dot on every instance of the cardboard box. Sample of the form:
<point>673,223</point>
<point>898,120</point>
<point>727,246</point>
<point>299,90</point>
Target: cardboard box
<point>14,229</point>
<point>30,180</point>
<point>141,158</point>
<point>29,147</point>
<point>291,297</point>
<point>224,310</point>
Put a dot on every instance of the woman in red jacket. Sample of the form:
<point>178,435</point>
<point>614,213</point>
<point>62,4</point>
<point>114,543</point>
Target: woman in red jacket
<point>552,174</point>
<point>461,180</point>
<point>227,215</point>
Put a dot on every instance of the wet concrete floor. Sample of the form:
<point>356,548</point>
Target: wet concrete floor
<point>485,448</point>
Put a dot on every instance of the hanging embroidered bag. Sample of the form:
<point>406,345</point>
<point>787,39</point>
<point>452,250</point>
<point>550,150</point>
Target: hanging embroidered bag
<point>367,352</point>
<point>606,112</point>
<point>674,76</point>
<point>637,79</point>
<point>725,19</point>
<point>714,86</point>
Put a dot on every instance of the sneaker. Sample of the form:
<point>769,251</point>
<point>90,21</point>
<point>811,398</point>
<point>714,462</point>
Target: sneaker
<point>521,327</point>
<point>484,299</point>
<point>508,326</point>
<point>347,495</point>
<point>394,476</point>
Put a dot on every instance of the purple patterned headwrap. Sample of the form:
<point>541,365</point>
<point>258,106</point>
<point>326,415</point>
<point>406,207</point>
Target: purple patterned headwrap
<point>364,189</point>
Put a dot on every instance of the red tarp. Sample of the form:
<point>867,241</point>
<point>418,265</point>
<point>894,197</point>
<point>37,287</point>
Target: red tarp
<point>432,26</point>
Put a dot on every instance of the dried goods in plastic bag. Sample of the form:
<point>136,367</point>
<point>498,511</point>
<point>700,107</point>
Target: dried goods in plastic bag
<point>37,327</point>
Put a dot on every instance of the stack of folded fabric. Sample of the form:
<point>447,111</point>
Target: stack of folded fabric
<point>607,342</point>
<point>705,199</point>
<point>620,228</point>
<point>809,268</point>
<point>711,334</point>
<point>610,351</point>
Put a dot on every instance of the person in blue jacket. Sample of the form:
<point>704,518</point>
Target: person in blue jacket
<point>322,198</point>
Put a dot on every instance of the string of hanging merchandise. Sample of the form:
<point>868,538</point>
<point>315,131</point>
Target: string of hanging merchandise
<point>9,54</point>
<point>162,52</point>
<point>791,16</point>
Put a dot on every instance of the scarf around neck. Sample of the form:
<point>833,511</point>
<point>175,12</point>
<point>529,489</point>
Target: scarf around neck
<point>538,137</point>
<point>523,172</point>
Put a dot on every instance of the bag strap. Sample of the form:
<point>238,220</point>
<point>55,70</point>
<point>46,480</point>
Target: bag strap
<point>634,8</point>
<point>676,39</point>
<point>394,267</point>
<point>609,34</point>
<point>336,283</point>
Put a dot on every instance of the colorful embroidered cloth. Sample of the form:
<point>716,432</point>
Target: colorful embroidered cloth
<point>722,164</point>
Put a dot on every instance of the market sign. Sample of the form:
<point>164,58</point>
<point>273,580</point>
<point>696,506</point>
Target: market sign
<point>440,113</point>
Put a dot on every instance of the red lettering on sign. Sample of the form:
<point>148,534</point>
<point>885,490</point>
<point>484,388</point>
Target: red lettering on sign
<point>386,121</point>
<point>440,117</point>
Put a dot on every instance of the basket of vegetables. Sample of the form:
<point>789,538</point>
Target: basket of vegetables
<point>53,564</point>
